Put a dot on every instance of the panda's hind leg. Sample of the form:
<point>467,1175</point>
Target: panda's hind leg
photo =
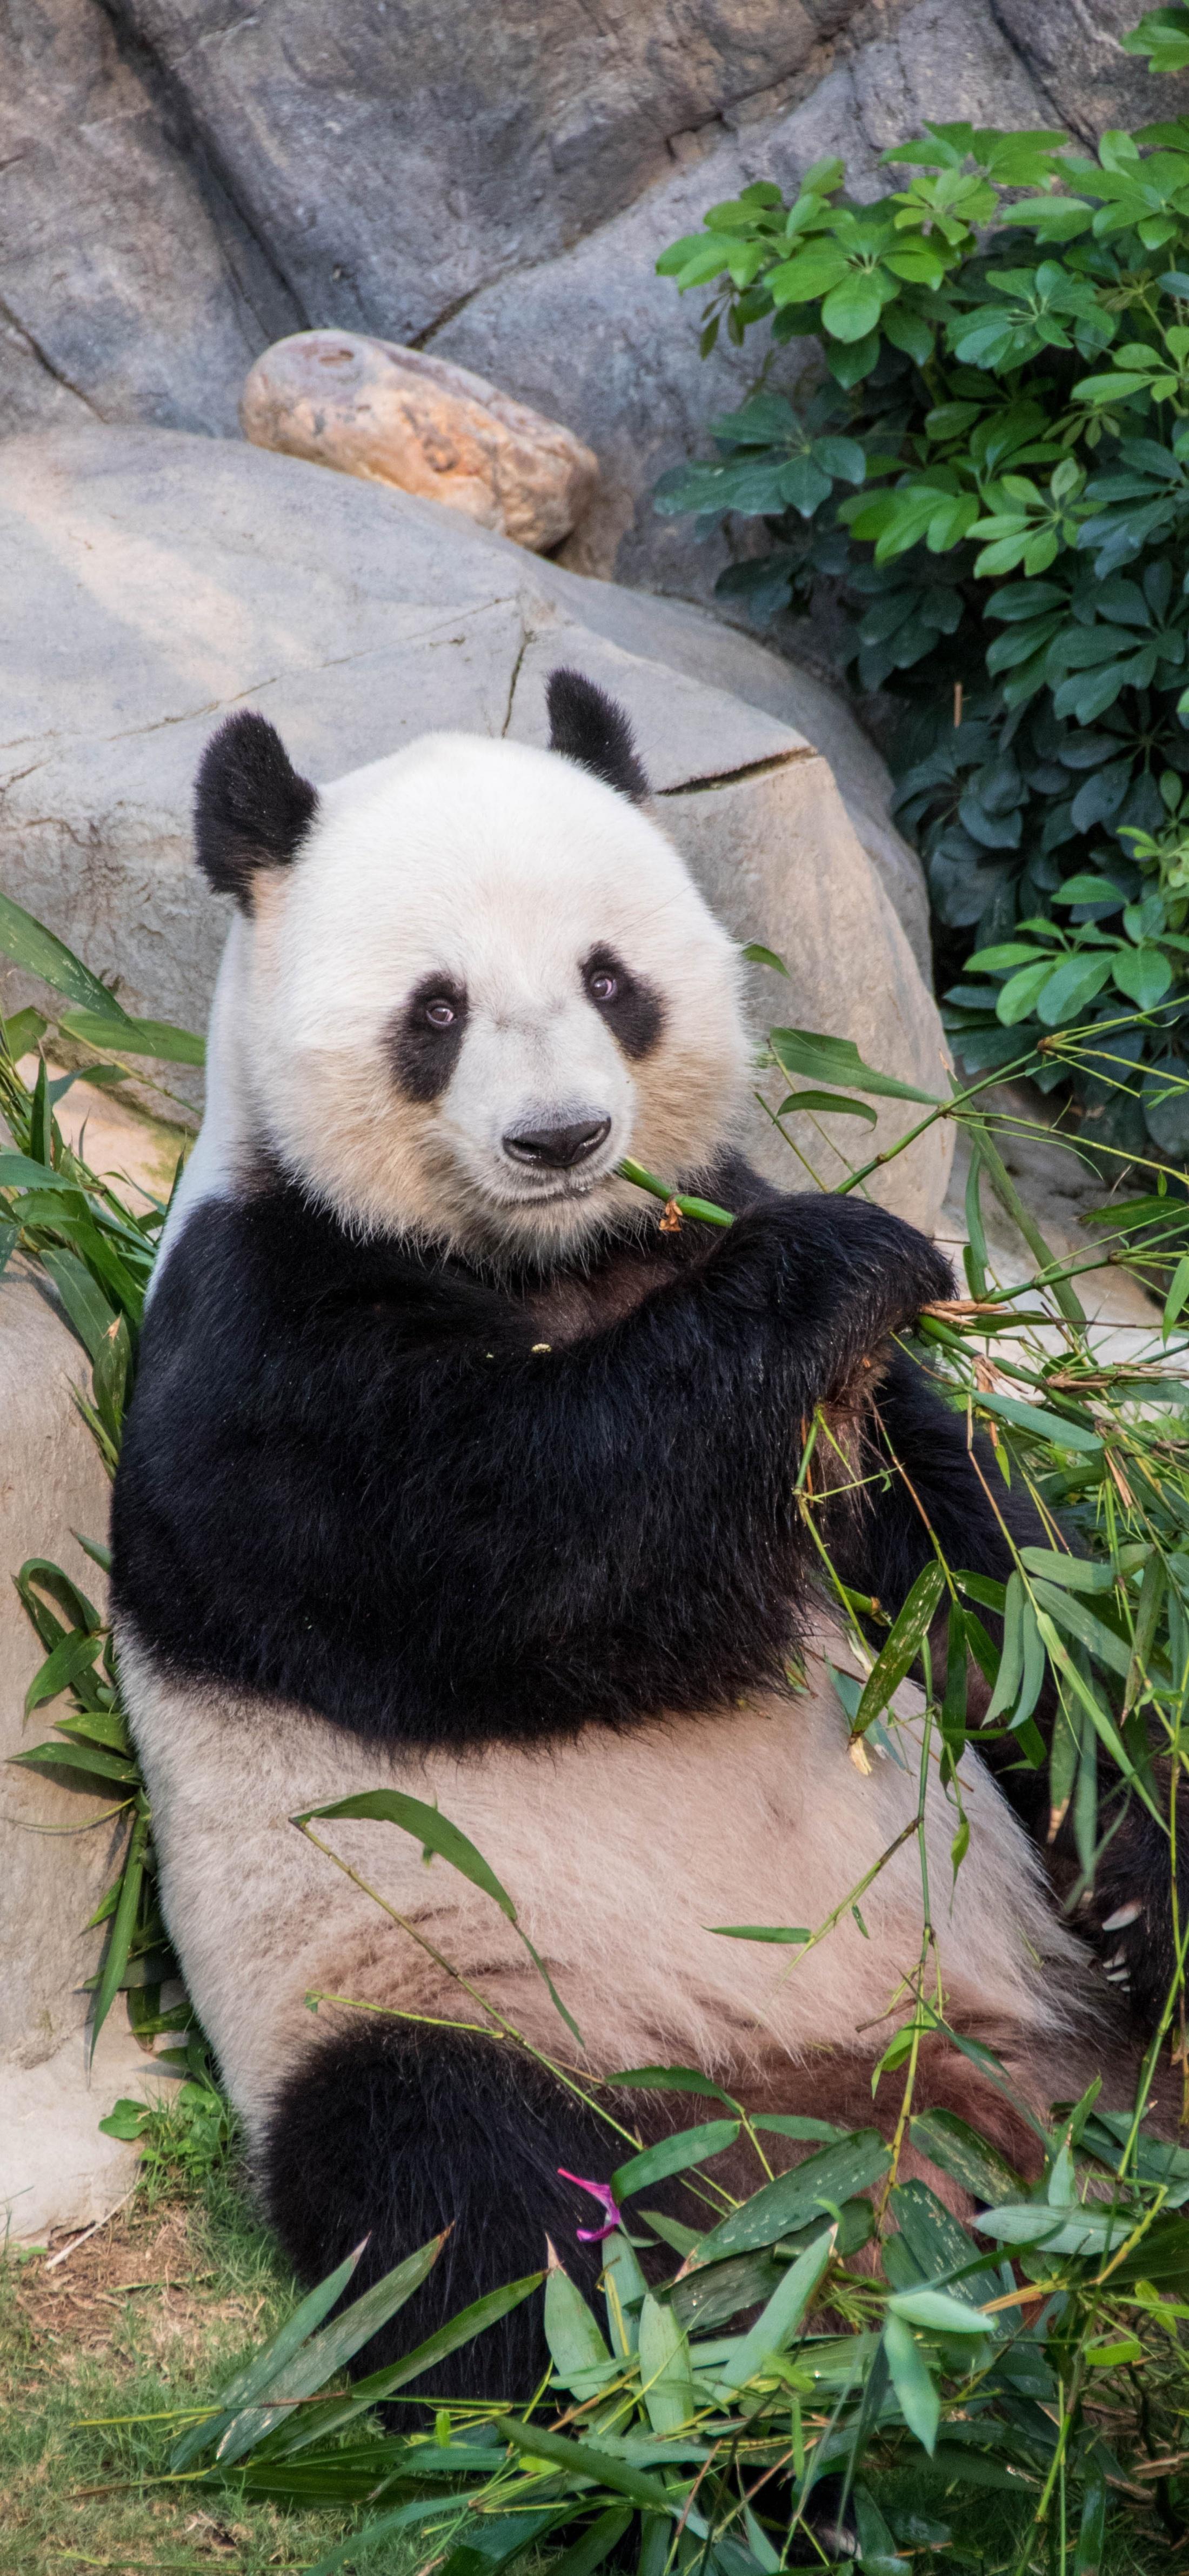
<point>395,2133</point>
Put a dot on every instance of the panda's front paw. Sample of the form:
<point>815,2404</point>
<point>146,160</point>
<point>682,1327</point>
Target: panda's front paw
<point>1123,1944</point>
<point>1129,1919</point>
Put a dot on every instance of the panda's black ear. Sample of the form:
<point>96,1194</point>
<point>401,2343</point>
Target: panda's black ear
<point>586,725</point>
<point>251,809</point>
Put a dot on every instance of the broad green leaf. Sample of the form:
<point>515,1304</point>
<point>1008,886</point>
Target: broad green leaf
<point>1019,996</point>
<point>1144,974</point>
<point>938,2244</point>
<point>901,1647</point>
<point>781,2317</point>
<point>711,2296</point>
<point>123,1925</point>
<point>672,2079</point>
<point>1074,2230</point>
<point>1071,988</point>
<point>919,2401</point>
<point>935,2312</point>
<point>665,2373</point>
<point>327,2352</point>
<point>624,2287</point>
<point>757,955</point>
<point>78,1757</point>
<point>830,1061</point>
<point>1070,1613</point>
<point>585,2460</point>
<point>1178,1292</point>
<point>30,945</point>
<point>70,1657</point>
<point>853,308</point>
<point>796,2198</point>
<point>86,1306</point>
<point>264,2365</point>
<point>122,1036</point>
<point>826,1104</point>
<point>380,2384</point>
<point>1076,1573</point>
<point>1033,1417</point>
<point>672,2155</point>
<point>788,1934</point>
<point>579,2355</point>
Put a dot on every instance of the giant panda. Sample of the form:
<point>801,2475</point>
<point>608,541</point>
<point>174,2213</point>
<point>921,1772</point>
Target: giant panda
<point>450,1470</point>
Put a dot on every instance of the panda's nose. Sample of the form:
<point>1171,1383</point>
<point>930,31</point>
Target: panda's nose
<point>558,1148</point>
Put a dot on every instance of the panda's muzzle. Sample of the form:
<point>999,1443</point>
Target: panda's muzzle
<point>558,1149</point>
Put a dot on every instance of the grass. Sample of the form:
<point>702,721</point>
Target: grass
<point>151,2314</point>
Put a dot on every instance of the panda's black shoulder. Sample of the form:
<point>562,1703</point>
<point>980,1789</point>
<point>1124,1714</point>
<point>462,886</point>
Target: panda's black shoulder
<point>266,1267</point>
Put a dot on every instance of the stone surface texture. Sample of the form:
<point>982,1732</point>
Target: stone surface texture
<point>398,416</point>
<point>58,1847</point>
<point>183,182</point>
<point>356,618</point>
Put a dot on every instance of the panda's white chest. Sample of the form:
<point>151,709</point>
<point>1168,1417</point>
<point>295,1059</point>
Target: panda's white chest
<point>622,1854</point>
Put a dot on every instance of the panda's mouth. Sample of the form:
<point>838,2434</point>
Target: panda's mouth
<point>551,1189</point>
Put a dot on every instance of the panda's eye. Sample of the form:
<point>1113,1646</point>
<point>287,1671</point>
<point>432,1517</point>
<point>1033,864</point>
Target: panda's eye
<point>440,1014</point>
<point>603,987</point>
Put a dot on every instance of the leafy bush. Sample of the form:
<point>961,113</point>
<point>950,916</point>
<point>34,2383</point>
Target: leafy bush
<point>996,470</point>
<point>98,1252</point>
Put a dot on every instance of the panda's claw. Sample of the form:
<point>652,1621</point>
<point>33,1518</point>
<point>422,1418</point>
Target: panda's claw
<point>1123,1915</point>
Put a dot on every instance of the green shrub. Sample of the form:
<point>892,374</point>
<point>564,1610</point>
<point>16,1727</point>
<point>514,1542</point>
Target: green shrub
<point>996,470</point>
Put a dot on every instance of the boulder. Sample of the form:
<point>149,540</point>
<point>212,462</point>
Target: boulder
<point>130,287</point>
<point>396,157</point>
<point>397,416</point>
<point>356,619</point>
<point>58,1847</point>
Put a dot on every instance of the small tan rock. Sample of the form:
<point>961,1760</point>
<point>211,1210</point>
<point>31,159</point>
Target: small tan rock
<point>395,415</point>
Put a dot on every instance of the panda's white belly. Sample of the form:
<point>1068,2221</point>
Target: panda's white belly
<point>619,1850</point>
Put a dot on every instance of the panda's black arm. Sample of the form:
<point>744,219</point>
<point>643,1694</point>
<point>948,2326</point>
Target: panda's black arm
<point>395,1511</point>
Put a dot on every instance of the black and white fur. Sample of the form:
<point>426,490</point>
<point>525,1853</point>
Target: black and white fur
<point>447,1470</point>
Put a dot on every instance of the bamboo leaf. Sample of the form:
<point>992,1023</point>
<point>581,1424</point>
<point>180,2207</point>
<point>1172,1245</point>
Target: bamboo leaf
<point>672,2155</point>
<point>71,1656</point>
<point>319,2359</point>
<point>578,2352</point>
<point>837,1061</point>
<point>584,2460</point>
<point>123,1036</point>
<point>123,1922</point>
<point>379,2384</point>
<point>901,1646</point>
<point>796,2198</point>
<point>31,945</point>
<point>781,2317</point>
<point>665,2372</point>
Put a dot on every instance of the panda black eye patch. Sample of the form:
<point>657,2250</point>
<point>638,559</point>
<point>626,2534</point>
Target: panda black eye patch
<point>632,1010</point>
<point>425,1037</point>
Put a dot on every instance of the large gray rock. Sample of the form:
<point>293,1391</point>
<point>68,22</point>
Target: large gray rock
<point>1074,55</point>
<point>58,1848</point>
<point>129,287</point>
<point>397,156</point>
<point>157,580</point>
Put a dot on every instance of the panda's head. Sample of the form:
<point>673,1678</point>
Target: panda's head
<point>469,979</point>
